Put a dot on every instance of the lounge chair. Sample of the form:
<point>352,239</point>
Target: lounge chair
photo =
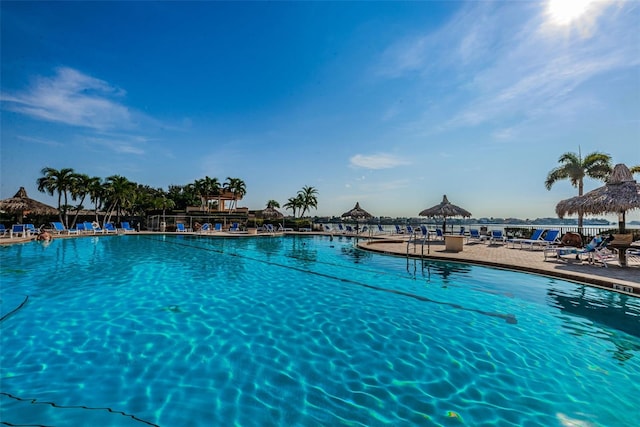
<point>31,229</point>
<point>474,234</point>
<point>536,236</point>
<point>126,227</point>
<point>398,229</point>
<point>18,230</point>
<point>410,230</point>
<point>381,230</point>
<point>59,228</point>
<point>283,229</point>
<point>93,227</point>
<point>497,236</point>
<point>439,234</point>
<point>110,228</point>
<point>217,226</point>
<point>180,228</point>
<point>420,234</point>
<point>551,238</point>
<point>234,227</point>
<point>3,231</point>
<point>633,256</point>
<point>595,250</point>
<point>206,228</point>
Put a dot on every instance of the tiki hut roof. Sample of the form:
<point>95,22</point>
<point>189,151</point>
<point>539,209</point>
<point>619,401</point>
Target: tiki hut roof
<point>22,204</point>
<point>445,209</point>
<point>357,212</point>
<point>271,212</point>
<point>621,193</point>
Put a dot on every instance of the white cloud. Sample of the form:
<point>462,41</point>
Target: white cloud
<point>376,161</point>
<point>72,98</point>
<point>41,141</point>
<point>120,144</point>
<point>505,64</point>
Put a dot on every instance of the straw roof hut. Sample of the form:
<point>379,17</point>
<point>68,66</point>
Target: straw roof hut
<point>357,213</point>
<point>620,194</point>
<point>22,205</point>
<point>270,213</point>
<point>444,210</point>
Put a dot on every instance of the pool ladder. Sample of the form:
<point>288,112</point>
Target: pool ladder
<point>425,240</point>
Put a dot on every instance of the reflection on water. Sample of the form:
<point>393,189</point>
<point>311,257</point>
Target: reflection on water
<point>443,269</point>
<point>354,254</point>
<point>302,251</point>
<point>268,245</point>
<point>609,319</point>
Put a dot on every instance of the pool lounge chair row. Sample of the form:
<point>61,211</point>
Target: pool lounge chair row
<point>597,250</point>
<point>18,230</point>
<point>87,227</point>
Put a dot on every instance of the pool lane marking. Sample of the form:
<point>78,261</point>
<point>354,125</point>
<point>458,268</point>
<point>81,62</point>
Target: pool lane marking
<point>26,298</point>
<point>55,405</point>
<point>509,318</point>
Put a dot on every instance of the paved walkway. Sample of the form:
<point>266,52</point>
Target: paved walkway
<point>626,280</point>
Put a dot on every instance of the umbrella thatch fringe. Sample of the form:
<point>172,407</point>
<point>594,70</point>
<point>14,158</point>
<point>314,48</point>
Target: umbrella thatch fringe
<point>357,212</point>
<point>620,194</point>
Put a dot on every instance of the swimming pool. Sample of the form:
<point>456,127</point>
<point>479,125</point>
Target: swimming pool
<point>302,331</point>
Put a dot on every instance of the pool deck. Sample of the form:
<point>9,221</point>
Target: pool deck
<point>614,277</point>
<point>621,279</point>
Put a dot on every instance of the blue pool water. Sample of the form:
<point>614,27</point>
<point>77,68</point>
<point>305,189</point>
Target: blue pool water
<point>302,331</point>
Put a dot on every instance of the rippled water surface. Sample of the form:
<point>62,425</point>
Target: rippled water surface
<point>302,331</point>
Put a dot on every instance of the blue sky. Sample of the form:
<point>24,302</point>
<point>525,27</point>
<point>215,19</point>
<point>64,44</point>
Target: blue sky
<point>391,104</point>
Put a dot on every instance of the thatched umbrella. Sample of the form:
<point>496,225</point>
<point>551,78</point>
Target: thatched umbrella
<point>270,213</point>
<point>620,194</point>
<point>444,210</point>
<point>357,213</point>
<point>22,205</point>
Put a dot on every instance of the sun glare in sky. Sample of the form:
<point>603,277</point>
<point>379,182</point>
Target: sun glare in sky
<point>564,12</point>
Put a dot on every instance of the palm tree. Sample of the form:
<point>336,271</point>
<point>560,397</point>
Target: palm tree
<point>60,182</point>
<point>161,201</point>
<point>273,204</point>
<point>81,188</point>
<point>120,193</point>
<point>238,188</point>
<point>293,203</point>
<point>635,169</point>
<point>212,187</point>
<point>574,168</point>
<point>308,199</point>
<point>205,188</point>
<point>96,193</point>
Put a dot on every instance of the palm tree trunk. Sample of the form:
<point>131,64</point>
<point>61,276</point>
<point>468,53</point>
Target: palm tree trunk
<point>580,212</point>
<point>60,210</point>
<point>75,217</point>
